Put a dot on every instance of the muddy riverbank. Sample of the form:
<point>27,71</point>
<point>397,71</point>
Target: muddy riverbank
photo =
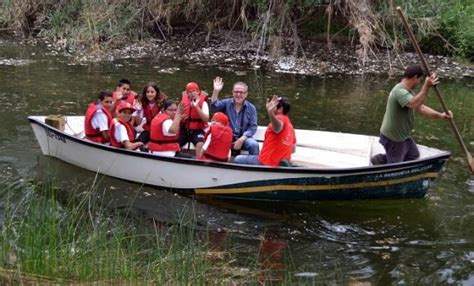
<point>229,49</point>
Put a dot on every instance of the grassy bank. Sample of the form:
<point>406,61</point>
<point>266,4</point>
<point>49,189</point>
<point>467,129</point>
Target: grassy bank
<point>445,27</point>
<point>49,238</point>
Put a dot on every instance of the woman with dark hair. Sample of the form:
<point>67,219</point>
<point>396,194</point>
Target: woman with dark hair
<point>151,100</point>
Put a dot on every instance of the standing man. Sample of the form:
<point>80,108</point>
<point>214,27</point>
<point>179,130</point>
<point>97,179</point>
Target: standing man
<point>242,115</point>
<point>398,121</point>
<point>280,139</point>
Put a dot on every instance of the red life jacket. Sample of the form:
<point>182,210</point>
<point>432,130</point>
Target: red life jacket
<point>130,97</point>
<point>158,141</point>
<point>221,142</point>
<point>130,132</point>
<point>91,133</point>
<point>193,121</point>
<point>149,113</point>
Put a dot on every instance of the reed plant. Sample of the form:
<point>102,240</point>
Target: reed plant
<point>277,26</point>
<point>46,237</point>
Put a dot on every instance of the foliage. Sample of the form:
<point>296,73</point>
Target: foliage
<point>50,239</point>
<point>277,26</point>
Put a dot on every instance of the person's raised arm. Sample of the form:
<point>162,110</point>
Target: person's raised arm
<point>271,106</point>
<point>218,84</point>
<point>174,128</point>
<point>420,98</point>
<point>203,112</point>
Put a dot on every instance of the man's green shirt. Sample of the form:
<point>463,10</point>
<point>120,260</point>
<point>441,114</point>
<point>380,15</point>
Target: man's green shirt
<point>398,120</point>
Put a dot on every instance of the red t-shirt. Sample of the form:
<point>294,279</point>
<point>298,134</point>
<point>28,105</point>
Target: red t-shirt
<point>278,146</point>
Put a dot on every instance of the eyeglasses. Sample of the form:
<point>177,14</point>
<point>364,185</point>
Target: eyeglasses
<point>239,91</point>
<point>171,109</point>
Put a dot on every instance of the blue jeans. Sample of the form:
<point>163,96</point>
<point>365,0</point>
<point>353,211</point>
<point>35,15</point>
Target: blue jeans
<point>251,145</point>
<point>247,159</point>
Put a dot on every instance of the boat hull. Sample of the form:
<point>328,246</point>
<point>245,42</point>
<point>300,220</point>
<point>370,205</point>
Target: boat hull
<point>226,180</point>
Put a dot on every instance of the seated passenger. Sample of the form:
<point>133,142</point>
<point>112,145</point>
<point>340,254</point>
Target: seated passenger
<point>123,92</point>
<point>122,133</point>
<point>195,117</point>
<point>280,139</point>
<point>98,118</point>
<point>242,115</point>
<point>218,139</point>
<point>151,100</point>
<point>164,130</point>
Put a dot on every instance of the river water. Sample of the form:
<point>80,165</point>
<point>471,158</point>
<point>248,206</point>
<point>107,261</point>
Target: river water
<point>420,241</point>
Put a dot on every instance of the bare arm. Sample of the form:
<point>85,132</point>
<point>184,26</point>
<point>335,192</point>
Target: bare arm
<point>105,134</point>
<point>420,98</point>
<point>203,115</point>
<point>131,145</point>
<point>430,112</point>
<point>174,128</point>
<point>276,124</point>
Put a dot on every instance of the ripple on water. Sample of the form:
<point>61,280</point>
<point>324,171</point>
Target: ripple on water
<point>470,183</point>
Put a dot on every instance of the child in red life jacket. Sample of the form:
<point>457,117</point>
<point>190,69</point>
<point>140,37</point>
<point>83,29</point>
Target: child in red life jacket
<point>98,117</point>
<point>123,92</point>
<point>218,139</point>
<point>195,117</point>
<point>151,101</point>
<point>122,133</point>
<point>164,130</point>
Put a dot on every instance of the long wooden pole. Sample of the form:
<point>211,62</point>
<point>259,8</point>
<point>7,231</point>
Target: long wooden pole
<point>467,155</point>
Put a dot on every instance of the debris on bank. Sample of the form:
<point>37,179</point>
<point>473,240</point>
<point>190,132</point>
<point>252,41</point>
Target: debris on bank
<point>237,48</point>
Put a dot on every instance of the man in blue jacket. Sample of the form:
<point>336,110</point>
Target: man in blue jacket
<point>242,115</point>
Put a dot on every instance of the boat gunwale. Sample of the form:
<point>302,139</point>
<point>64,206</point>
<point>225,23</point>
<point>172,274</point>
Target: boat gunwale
<point>228,165</point>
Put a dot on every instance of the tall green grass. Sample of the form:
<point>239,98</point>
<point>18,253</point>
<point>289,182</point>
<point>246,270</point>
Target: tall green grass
<point>46,237</point>
<point>50,238</point>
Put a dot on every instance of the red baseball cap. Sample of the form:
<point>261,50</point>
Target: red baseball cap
<point>124,105</point>
<point>192,86</point>
<point>220,117</point>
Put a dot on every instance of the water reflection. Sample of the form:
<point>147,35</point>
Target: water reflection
<point>427,241</point>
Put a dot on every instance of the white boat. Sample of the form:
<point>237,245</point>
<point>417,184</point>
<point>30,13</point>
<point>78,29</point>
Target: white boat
<point>330,165</point>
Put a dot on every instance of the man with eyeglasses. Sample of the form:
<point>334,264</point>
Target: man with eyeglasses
<point>242,115</point>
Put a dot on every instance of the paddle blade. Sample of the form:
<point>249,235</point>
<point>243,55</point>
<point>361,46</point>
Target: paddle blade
<point>471,163</point>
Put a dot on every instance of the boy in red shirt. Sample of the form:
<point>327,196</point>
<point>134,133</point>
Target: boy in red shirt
<point>280,139</point>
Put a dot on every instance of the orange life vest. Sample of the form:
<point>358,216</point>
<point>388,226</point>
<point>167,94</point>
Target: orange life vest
<point>193,121</point>
<point>128,126</point>
<point>158,141</point>
<point>221,142</point>
<point>278,146</point>
<point>92,133</point>
<point>149,113</point>
<point>130,97</point>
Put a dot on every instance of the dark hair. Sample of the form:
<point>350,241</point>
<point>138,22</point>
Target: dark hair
<point>152,84</point>
<point>167,103</point>
<point>104,94</point>
<point>285,103</point>
<point>413,70</point>
<point>124,81</point>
